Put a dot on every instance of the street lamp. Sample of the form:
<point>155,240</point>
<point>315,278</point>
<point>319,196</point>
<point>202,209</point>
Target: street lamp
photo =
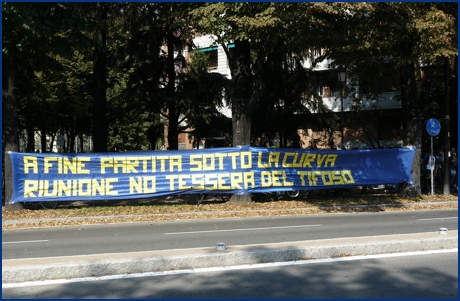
<point>342,77</point>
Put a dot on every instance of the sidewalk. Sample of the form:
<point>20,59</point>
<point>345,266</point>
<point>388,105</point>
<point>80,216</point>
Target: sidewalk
<point>40,269</point>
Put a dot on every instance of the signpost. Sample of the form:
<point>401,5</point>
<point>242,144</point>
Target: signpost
<point>433,128</point>
<point>60,141</point>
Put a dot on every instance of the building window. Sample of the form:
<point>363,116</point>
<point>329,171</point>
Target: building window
<point>212,55</point>
<point>324,91</point>
<point>317,52</point>
<point>212,59</point>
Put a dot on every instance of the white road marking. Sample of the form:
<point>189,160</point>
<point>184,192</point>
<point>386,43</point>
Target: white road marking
<point>22,242</point>
<point>218,269</point>
<point>247,229</point>
<point>432,219</point>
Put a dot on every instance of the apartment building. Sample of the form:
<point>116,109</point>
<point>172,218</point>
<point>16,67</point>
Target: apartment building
<point>355,131</point>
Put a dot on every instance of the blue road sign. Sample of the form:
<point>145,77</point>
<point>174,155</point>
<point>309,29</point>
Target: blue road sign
<point>433,127</point>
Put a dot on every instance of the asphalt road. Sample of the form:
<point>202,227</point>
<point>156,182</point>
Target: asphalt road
<point>118,238</point>
<point>420,275</point>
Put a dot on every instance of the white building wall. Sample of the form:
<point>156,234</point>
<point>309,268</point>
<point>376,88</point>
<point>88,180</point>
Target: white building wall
<point>222,63</point>
<point>387,100</point>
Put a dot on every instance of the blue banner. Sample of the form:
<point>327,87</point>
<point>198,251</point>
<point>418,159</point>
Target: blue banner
<point>143,174</point>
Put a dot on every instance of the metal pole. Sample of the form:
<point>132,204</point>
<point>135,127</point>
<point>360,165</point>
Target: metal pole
<point>432,169</point>
<point>341,100</point>
<point>446,129</point>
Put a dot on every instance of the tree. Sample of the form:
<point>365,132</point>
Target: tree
<point>257,31</point>
<point>25,25</point>
<point>100,125</point>
<point>31,70</point>
<point>201,92</point>
<point>402,34</point>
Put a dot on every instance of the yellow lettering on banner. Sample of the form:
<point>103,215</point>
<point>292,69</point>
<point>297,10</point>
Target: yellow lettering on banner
<point>40,188</point>
<point>69,165</point>
<point>302,177</point>
<point>162,162</point>
<point>131,164</point>
<point>150,185</point>
<point>309,158</point>
<point>181,182</point>
<point>347,177</point>
<point>145,164</point>
<point>326,178</point>
<point>249,179</point>
<point>171,179</point>
<point>74,187</point>
<point>46,189</point>
<point>296,162</point>
<point>198,182</point>
<point>97,187</point>
<point>47,163</point>
<point>233,156</point>
<point>30,186</point>
<point>337,177</point>
<point>175,161</point>
<point>286,156</point>
<point>105,163</point>
<point>194,161</point>
<point>81,165</point>
<point>246,160</point>
<point>331,160</point>
<point>64,188</point>
<point>30,162</point>
<point>211,182</point>
<point>119,162</point>
<point>310,182</point>
<point>133,184</point>
<point>260,164</point>
<point>84,187</point>
<point>211,165</point>
<point>273,157</point>
<point>265,178</point>
<point>221,181</point>
<point>221,157</point>
<point>109,186</point>
<point>314,177</point>
<point>236,179</point>
<point>320,159</point>
<point>275,178</point>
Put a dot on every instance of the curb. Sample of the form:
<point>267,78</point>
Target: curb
<point>27,222</point>
<point>39,269</point>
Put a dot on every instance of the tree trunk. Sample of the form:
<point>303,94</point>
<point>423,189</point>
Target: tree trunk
<point>30,139</point>
<point>100,123</point>
<point>412,124</point>
<point>173,135</point>
<point>242,101</point>
<point>10,131</point>
<point>43,140</point>
<point>81,141</point>
<point>173,140</point>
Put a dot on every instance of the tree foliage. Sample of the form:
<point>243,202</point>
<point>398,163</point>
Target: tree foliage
<point>120,72</point>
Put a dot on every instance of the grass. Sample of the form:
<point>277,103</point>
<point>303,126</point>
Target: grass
<point>160,209</point>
